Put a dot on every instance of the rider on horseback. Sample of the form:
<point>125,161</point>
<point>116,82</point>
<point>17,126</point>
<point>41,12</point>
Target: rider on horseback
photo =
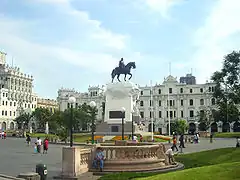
<point>121,64</point>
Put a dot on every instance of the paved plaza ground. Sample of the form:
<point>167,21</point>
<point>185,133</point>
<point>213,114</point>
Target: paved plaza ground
<point>16,157</point>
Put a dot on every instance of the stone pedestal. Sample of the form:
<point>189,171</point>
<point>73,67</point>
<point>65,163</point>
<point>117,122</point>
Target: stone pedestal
<point>75,161</point>
<point>29,176</point>
<point>118,95</point>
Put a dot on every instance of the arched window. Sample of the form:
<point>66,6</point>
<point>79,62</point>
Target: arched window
<point>213,101</point>
<point>191,102</point>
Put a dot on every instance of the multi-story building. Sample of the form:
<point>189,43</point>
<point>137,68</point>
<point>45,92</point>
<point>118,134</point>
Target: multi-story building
<point>16,93</point>
<point>50,104</point>
<point>168,102</point>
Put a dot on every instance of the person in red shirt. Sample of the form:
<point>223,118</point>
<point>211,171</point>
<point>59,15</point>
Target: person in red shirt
<point>174,143</point>
<point>45,146</point>
<point>5,135</point>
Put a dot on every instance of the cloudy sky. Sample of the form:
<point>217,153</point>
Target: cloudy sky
<point>77,43</point>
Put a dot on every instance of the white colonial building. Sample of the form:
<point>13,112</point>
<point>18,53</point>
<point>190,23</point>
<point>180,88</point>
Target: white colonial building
<point>16,93</point>
<point>170,100</point>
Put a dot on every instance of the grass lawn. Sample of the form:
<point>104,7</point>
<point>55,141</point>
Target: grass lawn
<point>191,161</point>
<point>225,171</point>
<point>227,135</point>
<point>78,137</point>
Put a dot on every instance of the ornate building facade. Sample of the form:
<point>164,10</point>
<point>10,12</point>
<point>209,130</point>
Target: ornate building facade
<point>170,100</point>
<point>16,93</point>
<point>50,104</point>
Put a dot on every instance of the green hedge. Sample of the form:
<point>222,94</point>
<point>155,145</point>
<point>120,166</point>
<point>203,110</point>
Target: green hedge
<point>227,135</point>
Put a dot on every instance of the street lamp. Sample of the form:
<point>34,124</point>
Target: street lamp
<point>93,105</point>
<point>71,101</point>
<point>123,116</point>
<point>132,125</point>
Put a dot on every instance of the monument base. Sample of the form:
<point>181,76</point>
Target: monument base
<point>105,129</point>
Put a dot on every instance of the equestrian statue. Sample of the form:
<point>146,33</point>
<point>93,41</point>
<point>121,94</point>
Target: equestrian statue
<point>122,69</point>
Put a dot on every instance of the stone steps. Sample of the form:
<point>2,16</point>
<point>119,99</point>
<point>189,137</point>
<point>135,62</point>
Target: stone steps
<point>164,169</point>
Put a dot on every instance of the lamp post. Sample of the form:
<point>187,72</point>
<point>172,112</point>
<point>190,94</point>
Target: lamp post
<point>123,116</point>
<point>71,100</point>
<point>93,105</point>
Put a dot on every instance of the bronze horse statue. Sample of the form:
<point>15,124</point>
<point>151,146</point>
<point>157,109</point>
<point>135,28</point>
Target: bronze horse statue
<point>126,70</point>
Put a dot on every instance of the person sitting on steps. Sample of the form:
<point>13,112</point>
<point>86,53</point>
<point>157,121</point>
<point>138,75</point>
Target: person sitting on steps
<point>99,159</point>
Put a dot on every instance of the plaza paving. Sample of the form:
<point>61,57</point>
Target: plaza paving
<point>16,157</point>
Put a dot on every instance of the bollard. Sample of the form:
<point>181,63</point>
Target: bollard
<point>41,169</point>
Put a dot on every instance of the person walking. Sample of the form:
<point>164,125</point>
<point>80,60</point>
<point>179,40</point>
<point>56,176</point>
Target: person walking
<point>45,146</point>
<point>174,146</point>
<point>181,140</point>
<point>39,144</point>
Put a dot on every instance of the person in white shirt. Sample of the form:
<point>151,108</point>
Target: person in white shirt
<point>2,134</point>
<point>39,144</point>
<point>170,155</point>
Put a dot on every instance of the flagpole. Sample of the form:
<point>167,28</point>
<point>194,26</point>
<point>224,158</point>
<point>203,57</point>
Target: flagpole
<point>151,108</point>
<point>169,120</point>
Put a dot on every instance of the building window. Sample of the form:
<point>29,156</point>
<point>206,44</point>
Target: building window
<point>10,113</point>
<point>3,103</point>
<point>201,114</point>
<point>25,105</point>
<point>170,90</point>
<point>6,94</point>
<point>159,91</point>
<point>191,113</point>
<point>150,102</point>
<point>3,94</point>
<point>181,114</point>
<point>171,114</point>
<point>190,90</point>
<point>213,89</point>
<point>2,113</point>
<point>28,105</point>
<point>151,114</point>
<point>6,103</point>
<point>5,113</point>
<point>209,89</point>
<point>76,105</point>
<point>68,105</point>
<point>167,114</point>
<point>142,114</point>
<point>191,102</point>
<point>213,101</point>
<point>181,90</point>
<point>160,114</point>
<point>141,93</point>
<point>14,103</point>
<point>174,113</point>
<point>14,113</point>
<point>10,103</point>
<point>141,103</point>
<point>171,102</point>
<point>201,90</point>
<point>201,102</point>
<point>181,102</point>
<point>159,103</point>
<point>32,106</point>
<point>150,91</point>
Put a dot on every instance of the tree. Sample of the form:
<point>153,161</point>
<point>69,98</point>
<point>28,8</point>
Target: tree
<point>23,120</point>
<point>42,116</point>
<point>227,89</point>
<point>180,126</point>
<point>206,117</point>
